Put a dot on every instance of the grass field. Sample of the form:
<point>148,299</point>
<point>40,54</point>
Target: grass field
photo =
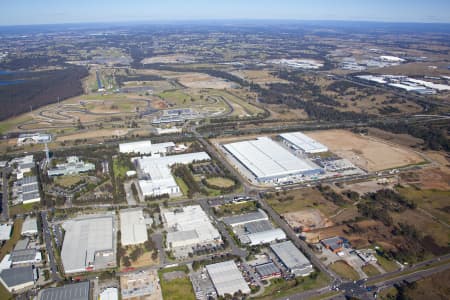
<point>220,182</point>
<point>344,270</point>
<point>282,288</point>
<point>370,270</point>
<point>68,181</point>
<point>387,265</point>
<point>296,200</point>
<point>176,289</point>
<point>238,208</point>
<point>21,208</point>
<point>15,236</point>
<point>433,201</point>
<point>120,170</point>
<point>183,186</point>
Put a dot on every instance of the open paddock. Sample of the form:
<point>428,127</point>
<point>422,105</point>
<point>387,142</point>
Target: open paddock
<point>367,153</point>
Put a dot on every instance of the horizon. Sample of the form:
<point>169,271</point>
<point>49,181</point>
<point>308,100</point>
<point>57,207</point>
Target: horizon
<point>51,12</point>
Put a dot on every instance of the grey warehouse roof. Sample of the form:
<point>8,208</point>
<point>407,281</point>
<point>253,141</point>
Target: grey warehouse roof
<point>18,256</point>
<point>227,278</point>
<point>267,269</point>
<point>291,257</point>
<point>16,276</point>
<point>76,291</point>
<point>246,218</point>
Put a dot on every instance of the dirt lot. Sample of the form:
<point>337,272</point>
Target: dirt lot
<point>367,153</point>
<point>428,179</point>
<point>203,81</point>
<point>402,139</point>
<point>370,186</point>
<point>307,219</point>
<point>93,134</point>
<point>261,77</point>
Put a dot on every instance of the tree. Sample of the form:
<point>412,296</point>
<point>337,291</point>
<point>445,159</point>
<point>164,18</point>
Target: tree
<point>126,261</point>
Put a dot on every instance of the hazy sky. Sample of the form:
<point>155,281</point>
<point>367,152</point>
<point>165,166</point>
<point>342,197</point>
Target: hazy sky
<point>14,12</point>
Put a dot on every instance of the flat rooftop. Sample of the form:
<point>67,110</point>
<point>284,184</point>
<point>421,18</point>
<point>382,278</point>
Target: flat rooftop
<point>290,255</point>
<point>304,142</point>
<point>132,227</point>
<point>227,278</point>
<point>88,242</point>
<point>258,215</point>
<point>75,291</point>
<point>266,159</point>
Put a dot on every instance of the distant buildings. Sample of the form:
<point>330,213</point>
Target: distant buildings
<point>189,228</point>
<point>156,177</point>
<point>73,166</point>
<point>227,278</point>
<point>28,190</point>
<point>33,138</point>
<point>146,147</point>
<point>89,244</point>
<point>294,260</point>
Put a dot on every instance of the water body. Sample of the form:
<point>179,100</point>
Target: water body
<point>10,82</point>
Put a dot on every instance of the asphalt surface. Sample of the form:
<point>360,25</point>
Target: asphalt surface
<point>48,244</point>
<point>5,209</point>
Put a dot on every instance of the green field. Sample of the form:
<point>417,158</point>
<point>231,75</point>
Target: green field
<point>176,289</point>
<point>370,270</point>
<point>433,201</point>
<point>183,186</point>
<point>282,288</point>
<point>68,181</point>
<point>387,265</point>
<point>221,182</point>
<point>344,270</point>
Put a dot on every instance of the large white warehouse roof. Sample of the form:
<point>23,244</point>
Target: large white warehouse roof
<point>227,278</point>
<point>189,225</point>
<point>303,142</point>
<point>160,179</point>
<point>145,147</point>
<point>86,241</point>
<point>132,227</point>
<point>268,160</point>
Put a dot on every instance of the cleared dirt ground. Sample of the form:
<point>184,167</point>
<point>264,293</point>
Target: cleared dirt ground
<point>307,219</point>
<point>367,153</point>
<point>93,134</point>
<point>203,81</point>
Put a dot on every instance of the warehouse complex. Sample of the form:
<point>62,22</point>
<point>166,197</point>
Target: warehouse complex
<point>269,162</point>
<point>254,228</point>
<point>146,147</point>
<point>29,227</point>
<point>155,174</point>
<point>89,244</point>
<point>188,228</point>
<point>17,279</point>
<point>73,166</point>
<point>227,278</point>
<point>292,258</point>
<point>300,142</point>
<point>132,227</point>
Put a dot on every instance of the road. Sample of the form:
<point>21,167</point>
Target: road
<point>5,209</point>
<point>48,244</point>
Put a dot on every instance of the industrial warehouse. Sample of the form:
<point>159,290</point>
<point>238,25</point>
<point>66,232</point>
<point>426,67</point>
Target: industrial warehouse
<point>89,244</point>
<point>300,142</point>
<point>292,258</point>
<point>146,147</point>
<point>155,174</point>
<point>254,228</point>
<point>132,227</point>
<point>227,278</point>
<point>189,228</point>
<point>73,166</point>
<point>269,162</point>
